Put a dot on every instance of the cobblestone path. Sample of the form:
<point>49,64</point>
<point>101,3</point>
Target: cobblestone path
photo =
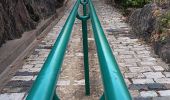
<point>147,77</point>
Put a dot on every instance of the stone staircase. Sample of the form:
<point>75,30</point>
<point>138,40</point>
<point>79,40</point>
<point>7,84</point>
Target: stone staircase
<point>147,77</point>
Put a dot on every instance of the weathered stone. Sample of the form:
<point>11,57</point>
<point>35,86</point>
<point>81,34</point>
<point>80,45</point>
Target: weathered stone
<point>158,68</point>
<point>12,96</point>
<point>138,87</point>
<point>161,98</point>
<point>140,69</point>
<point>11,90</point>
<point>167,74</point>
<point>79,54</point>
<point>148,94</point>
<point>19,83</point>
<point>38,65</point>
<point>134,93</point>
<point>145,23</point>
<point>142,55</point>
<point>127,64</point>
<point>127,82</point>
<point>143,52</point>
<point>154,75</point>
<point>26,73</point>
<point>35,62</point>
<point>164,93</point>
<point>142,20</point>
<point>125,56</point>
<point>139,48</point>
<point>142,81</point>
<point>22,78</point>
<point>28,66</point>
<point>15,14</point>
<point>148,59</point>
<point>127,52</point>
<point>134,75</point>
<point>165,52</point>
<point>63,82</point>
<point>163,80</point>
<point>79,82</point>
<point>156,86</point>
<point>119,50</point>
<point>33,70</point>
<point>18,16</point>
<point>143,98</point>
<point>90,39</point>
<point>132,60</point>
<point>147,63</point>
<point>167,86</point>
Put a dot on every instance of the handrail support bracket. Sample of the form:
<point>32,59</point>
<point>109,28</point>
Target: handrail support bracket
<point>84,19</point>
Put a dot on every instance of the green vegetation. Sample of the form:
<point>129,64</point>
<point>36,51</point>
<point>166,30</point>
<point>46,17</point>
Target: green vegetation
<point>135,3</point>
<point>164,26</point>
<point>163,32</point>
<point>125,4</point>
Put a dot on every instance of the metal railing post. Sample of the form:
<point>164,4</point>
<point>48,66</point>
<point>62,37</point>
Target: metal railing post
<point>84,19</point>
<point>85,50</point>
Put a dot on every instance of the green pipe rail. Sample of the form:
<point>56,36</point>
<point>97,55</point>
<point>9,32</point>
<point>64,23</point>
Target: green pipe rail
<point>113,82</point>
<point>44,87</point>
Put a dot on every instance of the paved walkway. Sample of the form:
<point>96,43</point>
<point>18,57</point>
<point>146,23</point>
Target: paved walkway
<point>147,77</point>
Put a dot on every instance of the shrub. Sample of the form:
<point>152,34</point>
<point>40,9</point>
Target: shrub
<point>134,3</point>
<point>163,32</point>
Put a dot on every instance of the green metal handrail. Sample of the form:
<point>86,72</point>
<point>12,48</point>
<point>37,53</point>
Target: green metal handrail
<point>113,82</point>
<point>114,85</point>
<point>45,83</point>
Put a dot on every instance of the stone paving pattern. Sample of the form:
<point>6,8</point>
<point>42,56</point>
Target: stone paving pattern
<point>147,77</point>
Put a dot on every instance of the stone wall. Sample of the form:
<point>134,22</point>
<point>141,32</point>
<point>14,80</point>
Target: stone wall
<point>145,24</point>
<point>17,16</point>
<point>143,21</point>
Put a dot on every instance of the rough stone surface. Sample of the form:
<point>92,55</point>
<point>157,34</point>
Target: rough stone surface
<point>144,22</point>
<point>167,74</point>
<point>148,94</point>
<point>163,80</point>
<point>17,16</point>
<point>154,75</point>
<point>12,96</point>
<point>142,81</point>
<point>164,93</point>
<point>158,68</point>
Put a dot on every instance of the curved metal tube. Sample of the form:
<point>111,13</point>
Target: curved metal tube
<point>83,17</point>
<point>45,84</point>
<point>113,82</point>
<point>84,2</point>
